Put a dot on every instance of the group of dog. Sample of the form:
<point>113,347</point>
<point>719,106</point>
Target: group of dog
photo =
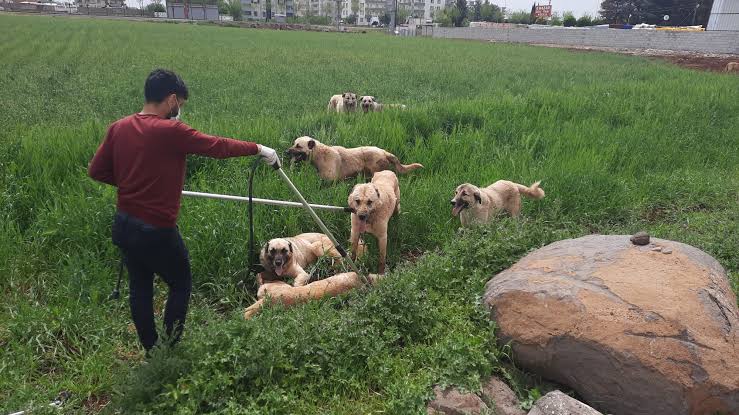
<point>372,205</point>
<point>347,102</point>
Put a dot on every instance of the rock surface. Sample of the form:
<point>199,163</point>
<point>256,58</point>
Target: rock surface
<point>451,401</point>
<point>633,331</point>
<point>557,403</point>
<point>500,398</point>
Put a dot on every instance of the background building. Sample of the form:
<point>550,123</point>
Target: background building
<point>724,15</point>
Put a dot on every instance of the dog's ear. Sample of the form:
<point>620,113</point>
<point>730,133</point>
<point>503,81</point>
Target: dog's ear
<point>377,191</point>
<point>290,245</point>
<point>264,252</point>
<point>373,99</point>
<point>311,144</point>
<point>478,196</point>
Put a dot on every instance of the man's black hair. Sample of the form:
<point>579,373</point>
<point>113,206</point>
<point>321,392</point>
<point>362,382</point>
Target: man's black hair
<point>162,83</point>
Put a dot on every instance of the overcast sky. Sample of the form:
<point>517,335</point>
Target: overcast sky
<point>578,7</point>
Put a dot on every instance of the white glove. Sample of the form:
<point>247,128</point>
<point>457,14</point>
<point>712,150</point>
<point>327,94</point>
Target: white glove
<point>269,156</point>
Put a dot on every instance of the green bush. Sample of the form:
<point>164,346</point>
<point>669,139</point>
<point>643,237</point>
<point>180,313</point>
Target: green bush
<point>569,19</point>
<point>584,20</point>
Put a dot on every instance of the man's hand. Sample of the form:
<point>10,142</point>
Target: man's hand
<point>269,156</point>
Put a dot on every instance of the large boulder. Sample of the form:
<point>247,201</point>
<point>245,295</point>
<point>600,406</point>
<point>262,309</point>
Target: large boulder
<point>451,401</point>
<point>557,403</point>
<point>500,398</point>
<point>633,329</point>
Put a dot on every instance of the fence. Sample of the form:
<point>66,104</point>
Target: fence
<point>706,42</point>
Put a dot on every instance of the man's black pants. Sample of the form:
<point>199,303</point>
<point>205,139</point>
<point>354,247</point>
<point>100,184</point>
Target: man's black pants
<point>148,250</point>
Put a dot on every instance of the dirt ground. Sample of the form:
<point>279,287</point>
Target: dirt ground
<point>693,60</point>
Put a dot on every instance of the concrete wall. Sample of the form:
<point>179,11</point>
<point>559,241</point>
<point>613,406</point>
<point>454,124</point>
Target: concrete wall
<point>708,42</point>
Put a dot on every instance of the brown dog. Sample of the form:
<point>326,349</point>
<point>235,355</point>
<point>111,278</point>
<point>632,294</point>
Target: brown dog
<point>373,204</point>
<point>288,257</point>
<point>370,104</point>
<point>477,206</point>
<point>337,162</point>
<point>346,102</point>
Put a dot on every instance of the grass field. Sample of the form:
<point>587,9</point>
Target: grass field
<point>620,143</point>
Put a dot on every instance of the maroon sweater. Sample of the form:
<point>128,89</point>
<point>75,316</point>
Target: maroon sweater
<point>144,156</point>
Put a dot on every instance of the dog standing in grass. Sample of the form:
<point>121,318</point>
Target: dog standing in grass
<point>337,162</point>
<point>288,257</point>
<point>373,204</point>
<point>476,206</point>
<point>346,102</point>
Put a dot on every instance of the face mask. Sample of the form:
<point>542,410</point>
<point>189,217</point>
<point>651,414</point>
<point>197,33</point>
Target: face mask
<point>174,115</point>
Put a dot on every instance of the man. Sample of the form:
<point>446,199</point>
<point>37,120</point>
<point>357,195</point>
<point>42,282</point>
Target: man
<point>143,155</point>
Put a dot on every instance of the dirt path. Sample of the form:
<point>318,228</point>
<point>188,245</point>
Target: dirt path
<point>700,61</point>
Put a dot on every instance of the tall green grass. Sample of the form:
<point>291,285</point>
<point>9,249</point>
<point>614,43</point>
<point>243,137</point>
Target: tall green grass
<point>620,144</point>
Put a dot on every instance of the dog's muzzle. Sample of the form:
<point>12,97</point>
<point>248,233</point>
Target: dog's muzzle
<point>458,206</point>
<point>296,156</point>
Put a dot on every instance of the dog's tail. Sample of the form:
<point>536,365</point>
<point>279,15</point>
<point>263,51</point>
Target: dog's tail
<point>533,191</point>
<point>402,168</point>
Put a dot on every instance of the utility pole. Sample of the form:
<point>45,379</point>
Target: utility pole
<point>695,11</point>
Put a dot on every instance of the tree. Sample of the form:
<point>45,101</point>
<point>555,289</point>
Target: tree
<point>584,20</point>
<point>351,19</point>
<point>234,9</point>
<point>223,8</point>
<point>490,13</point>
<point>461,15</point>
<point>621,11</point>
<point>155,7</point>
<point>385,19</point>
<point>569,19</point>
<point>402,15</point>
<point>556,20</point>
<point>477,11</point>
<point>355,9</point>
<point>520,16</point>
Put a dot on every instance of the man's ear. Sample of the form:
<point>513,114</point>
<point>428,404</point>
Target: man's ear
<point>478,196</point>
<point>311,144</point>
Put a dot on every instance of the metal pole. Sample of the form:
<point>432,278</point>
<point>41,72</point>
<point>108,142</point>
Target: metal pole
<point>321,225</point>
<point>263,201</point>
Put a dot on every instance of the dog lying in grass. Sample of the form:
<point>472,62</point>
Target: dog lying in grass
<point>732,67</point>
<point>476,206</point>
<point>338,163</point>
<point>368,103</point>
<point>346,102</point>
<point>373,204</point>
<point>288,257</point>
<point>284,293</point>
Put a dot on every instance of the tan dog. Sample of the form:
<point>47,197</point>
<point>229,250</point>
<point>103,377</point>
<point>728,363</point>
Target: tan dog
<point>477,206</point>
<point>732,67</point>
<point>370,104</point>
<point>337,162</point>
<point>346,102</point>
<point>288,257</point>
<point>373,204</point>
